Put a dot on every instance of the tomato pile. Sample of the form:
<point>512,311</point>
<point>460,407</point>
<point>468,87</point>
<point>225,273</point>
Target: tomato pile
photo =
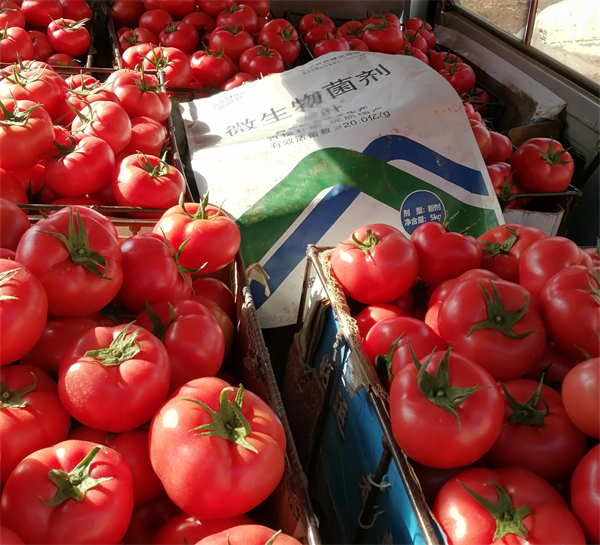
<point>490,351</point>
<point>113,424</point>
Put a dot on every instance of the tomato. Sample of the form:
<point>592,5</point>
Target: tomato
<point>313,19</point>
<point>372,314</point>
<point>183,527</point>
<point>11,15</point>
<point>133,446</point>
<point>135,55</point>
<point>260,61</point>
<point>211,69</point>
<point>282,37</point>
<point>542,165</point>
<point>13,224</point>
<point>242,15</point>
<point>482,136</point>
<point>333,44</point>
<point>148,518</point>
<point>554,364</point>
<point>32,416</point>
<point>214,7</point>
<point>537,434</point>
<point>33,180</point>
<point>501,150</point>
<point>105,120</point>
<point>181,36</point>
<point>216,291</point>
<point>76,10</point>
<point>23,309</point>
<point>255,453</point>
<point>441,60</point>
<point>444,255</point>
<point>349,30</point>
<point>89,213</point>
<point>175,64</point>
<point>214,238</point>
<point>503,182</point>
<point>35,86</point>
<point>581,395</point>
<point>40,13</point>
<point>508,505</point>
<point>410,52</point>
<point>223,320</point>
<point>147,135</point>
<point>234,42</point>
<point>41,45</point>
<point>141,95</point>
<point>202,22</point>
<point>472,113</point>
<point>405,303</point>
<point>446,411</point>
<point>8,537</point>
<point>443,289</point>
<point>151,272</point>
<point>127,13</point>
<point>585,494</point>
<point>357,44</point>
<point>375,264</point>
<point>503,247</point>
<point>155,20</point>
<point>80,267</point>
<point>133,36</point>
<point>114,378</point>
<point>237,81</point>
<point>260,7</point>
<point>251,534</point>
<point>460,76</point>
<point>316,34</point>
<point>414,39</point>
<point>11,189</point>
<point>384,38</point>
<point>60,59</point>
<point>69,37</point>
<point>496,324</point>
<point>54,476</point>
<point>543,259</point>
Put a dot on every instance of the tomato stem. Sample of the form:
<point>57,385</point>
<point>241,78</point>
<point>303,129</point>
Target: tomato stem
<point>5,277</point>
<point>527,413</point>
<point>498,248</point>
<point>273,538</point>
<point>162,169</point>
<point>119,351</point>
<point>383,362</point>
<point>159,329</point>
<point>13,399</point>
<point>16,117</point>
<point>367,245</point>
<point>553,157</point>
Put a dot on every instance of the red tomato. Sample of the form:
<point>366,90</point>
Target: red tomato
<point>504,185</point>
<point>251,534</point>
<point>255,453</point>
<point>147,181</point>
<point>127,13</point>
<point>349,30</point>
<point>472,113</point>
<point>234,41</point>
<point>39,87</point>
<point>135,55</point>
<point>114,378</point>
<point>13,224</point>
<point>237,81</point>
<point>147,135</point>
<point>460,76</point>
<point>501,150</point>
<point>458,401</point>
<point>213,238</point>
<point>89,213</point>
<point>11,189</point>
<point>57,335</point>
<point>554,364</point>
<point>242,15</point>
<point>151,272</point>
<point>202,22</point>
<point>40,13</point>
<point>69,37</point>
<point>191,356</point>
<point>414,38</point>
<point>76,9</point>
<point>441,60</point>
<point>372,314</point>
<point>260,61</point>
<point>181,36</point>
<point>105,120</point>
<point>443,289</point>
<point>496,324</point>
<point>503,247</point>
<point>102,514</point>
<point>8,537</point>
<point>23,310</point>
<point>384,38</point>
<point>375,264</point>
<point>133,36</point>
<point>211,69</point>
<point>357,44</point>
<point>80,267</point>
<point>183,528</point>
<point>537,434</point>
<point>410,52</point>
<point>260,7</point>
<point>141,95</point>
<point>482,136</point>
<point>155,20</point>
<point>405,303</point>
<point>316,34</point>
<point>508,505</point>
<point>214,7</point>
<point>32,416</point>
<point>378,19</point>
<point>581,396</point>
<point>327,46</point>
<point>542,165</point>
<point>11,15</point>
<point>216,291</point>
<point>33,180</point>
<point>543,259</point>
<point>41,45</point>
<point>224,322</point>
<point>312,19</point>
<point>444,255</point>
<point>133,446</point>
<point>282,37</point>
<point>179,8</point>
<point>585,494</point>
<point>175,64</point>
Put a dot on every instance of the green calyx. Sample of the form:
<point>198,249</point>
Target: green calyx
<point>497,248</point>
<point>5,277</point>
<point>595,289</point>
<point>498,317</point>
<point>229,423</point>
<point>171,27</point>
<point>64,150</point>
<point>13,399</point>
<point>508,519</point>
<point>232,9</point>
<point>159,329</point>
<point>201,213</point>
<point>287,33</point>
<point>553,157</point>
<point>383,362</point>
<point>119,351</point>
<point>527,413</point>
<point>263,50</point>
<point>75,484</point>
<point>437,389</point>
<point>158,62</point>
<point>367,245</point>
<point>176,255</point>
<point>116,314</point>
<point>162,169</point>
<point>143,85</point>
<point>235,30</point>
<point>411,35</point>
<point>273,538</point>
<point>76,25</point>
<point>77,245</point>
<point>16,118</point>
